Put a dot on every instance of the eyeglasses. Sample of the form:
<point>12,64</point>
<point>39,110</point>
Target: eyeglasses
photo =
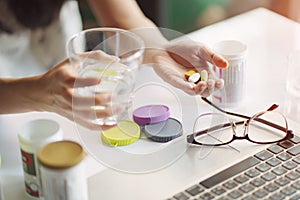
<point>213,129</point>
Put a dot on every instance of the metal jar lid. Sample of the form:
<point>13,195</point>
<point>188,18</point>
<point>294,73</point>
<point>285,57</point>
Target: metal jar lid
<point>61,154</point>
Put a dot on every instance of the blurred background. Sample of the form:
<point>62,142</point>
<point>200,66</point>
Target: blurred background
<point>189,15</point>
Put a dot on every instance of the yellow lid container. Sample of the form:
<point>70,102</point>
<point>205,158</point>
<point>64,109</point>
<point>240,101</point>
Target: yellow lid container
<point>125,133</point>
<point>61,154</point>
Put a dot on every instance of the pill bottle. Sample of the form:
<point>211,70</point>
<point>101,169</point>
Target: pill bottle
<point>62,171</point>
<point>234,76</point>
<point>32,136</point>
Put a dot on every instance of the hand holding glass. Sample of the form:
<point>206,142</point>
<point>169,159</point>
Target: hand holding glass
<point>90,53</point>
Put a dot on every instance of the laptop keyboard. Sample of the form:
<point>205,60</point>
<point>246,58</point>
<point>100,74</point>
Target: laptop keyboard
<point>273,173</point>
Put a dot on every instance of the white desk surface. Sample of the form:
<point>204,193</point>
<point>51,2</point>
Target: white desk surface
<point>270,38</point>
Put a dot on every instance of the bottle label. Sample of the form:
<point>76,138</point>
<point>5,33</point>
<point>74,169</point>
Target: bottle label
<point>28,163</point>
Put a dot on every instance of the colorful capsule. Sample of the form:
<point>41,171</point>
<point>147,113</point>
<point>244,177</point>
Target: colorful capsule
<point>204,75</point>
<point>189,73</point>
<point>194,78</point>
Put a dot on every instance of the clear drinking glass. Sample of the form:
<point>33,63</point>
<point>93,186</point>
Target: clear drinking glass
<point>117,78</point>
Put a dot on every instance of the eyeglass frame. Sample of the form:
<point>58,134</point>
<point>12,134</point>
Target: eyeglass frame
<point>289,133</point>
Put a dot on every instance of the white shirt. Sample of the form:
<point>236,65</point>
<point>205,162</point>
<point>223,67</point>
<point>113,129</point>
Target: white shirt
<point>34,52</point>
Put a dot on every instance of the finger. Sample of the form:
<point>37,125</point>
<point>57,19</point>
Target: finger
<point>209,89</point>
<point>73,81</point>
<point>219,84</point>
<point>82,120</point>
<point>210,86</point>
<point>108,111</point>
<point>219,61</point>
<point>165,69</point>
<point>200,87</point>
<point>180,83</point>
<point>99,55</point>
<point>213,58</point>
<point>91,125</point>
<point>180,59</point>
<point>84,82</point>
<point>88,117</point>
<point>205,93</point>
<point>87,101</point>
<point>97,112</point>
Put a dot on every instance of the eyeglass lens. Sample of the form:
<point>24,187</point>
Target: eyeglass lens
<point>262,133</point>
<point>212,129</point>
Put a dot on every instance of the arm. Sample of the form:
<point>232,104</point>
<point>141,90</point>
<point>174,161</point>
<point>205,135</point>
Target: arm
<point>17,95</point>
<point>126,14</point>
<point>54,91</point>
<point>169,60</point>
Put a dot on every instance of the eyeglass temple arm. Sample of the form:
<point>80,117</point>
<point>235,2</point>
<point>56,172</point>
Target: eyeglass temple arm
<point>224,111</point>
<point>214,128</point>
<point>273,107</point>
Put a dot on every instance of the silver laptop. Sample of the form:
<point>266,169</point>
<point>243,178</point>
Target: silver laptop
<point>242,171</point>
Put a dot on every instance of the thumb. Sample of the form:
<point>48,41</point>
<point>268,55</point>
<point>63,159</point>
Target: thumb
<point>171,76</point>
<point>213,58</point>
<point>180,83</point>
<point>219,61</point>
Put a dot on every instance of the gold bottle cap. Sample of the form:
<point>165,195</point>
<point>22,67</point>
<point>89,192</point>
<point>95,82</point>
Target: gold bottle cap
<point>61,154</point>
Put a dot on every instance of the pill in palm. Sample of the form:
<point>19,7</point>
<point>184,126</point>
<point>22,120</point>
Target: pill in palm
<point>204,75</point>
<point>189,73</point>
<point>194,78</point>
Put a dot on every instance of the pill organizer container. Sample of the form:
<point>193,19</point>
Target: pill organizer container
<point>234,75</point>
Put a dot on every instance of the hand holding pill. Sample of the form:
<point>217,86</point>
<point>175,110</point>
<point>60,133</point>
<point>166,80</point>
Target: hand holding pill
<point>204,75</point>
<point>192,76</point>
<point>195,77</point>
<point>184,55</point>
<point>203,84</point>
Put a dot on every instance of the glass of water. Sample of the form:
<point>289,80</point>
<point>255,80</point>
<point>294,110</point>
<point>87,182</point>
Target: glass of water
<point>116,76</point>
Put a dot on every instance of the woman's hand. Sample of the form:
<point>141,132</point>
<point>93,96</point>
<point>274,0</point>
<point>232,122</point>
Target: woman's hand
<point>181,56</point>
<point>55,91</point>
<point>59,87</point>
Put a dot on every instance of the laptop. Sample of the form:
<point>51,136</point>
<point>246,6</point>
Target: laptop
<point>251,172</point>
